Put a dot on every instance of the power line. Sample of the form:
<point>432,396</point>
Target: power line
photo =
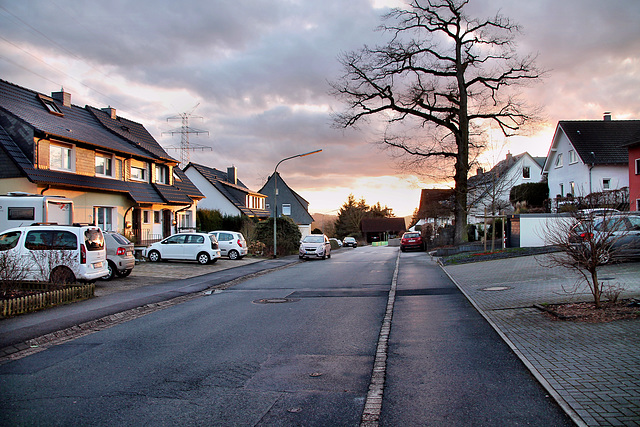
<point>184,131</point>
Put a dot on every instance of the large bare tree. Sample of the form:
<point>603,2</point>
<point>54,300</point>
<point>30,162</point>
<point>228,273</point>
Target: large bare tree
<point>443,74</point>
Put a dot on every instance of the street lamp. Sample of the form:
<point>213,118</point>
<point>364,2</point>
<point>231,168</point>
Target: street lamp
<point>275,197</point>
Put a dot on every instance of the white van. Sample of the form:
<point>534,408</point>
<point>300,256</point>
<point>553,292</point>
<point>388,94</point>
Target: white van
<point>18,209</point>
<point>54,253</point>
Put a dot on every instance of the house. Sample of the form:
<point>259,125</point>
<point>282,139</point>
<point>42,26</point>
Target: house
<point>634,174</point>
<point>436,207</point>
<point>225,192</point>
<point>589,156</point>
<point>116,173</point>
<point>290,203</point>
<point>381,229</point>
<point>490,190</point>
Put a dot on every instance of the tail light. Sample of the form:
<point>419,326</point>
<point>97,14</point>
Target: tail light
<point>239,242</point>
<point>121,251</point>
<point>586,236</point>
<point>83,254</point>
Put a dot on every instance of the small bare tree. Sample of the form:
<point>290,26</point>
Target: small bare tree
<point>12,271</point>
<point>585,243</point>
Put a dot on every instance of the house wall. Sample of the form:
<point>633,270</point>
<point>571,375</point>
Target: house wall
<point>578,173</point>
<point>213,199</point>
<point>17,184</point>
<point>634,178</point>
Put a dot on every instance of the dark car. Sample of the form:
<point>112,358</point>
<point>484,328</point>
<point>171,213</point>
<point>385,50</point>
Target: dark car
<point>120,258</point>
<point>411,240</point>
<point>349,241</point>
<point>622,232</point>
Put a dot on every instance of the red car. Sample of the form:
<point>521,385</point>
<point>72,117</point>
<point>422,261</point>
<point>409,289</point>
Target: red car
<point>411,240</point>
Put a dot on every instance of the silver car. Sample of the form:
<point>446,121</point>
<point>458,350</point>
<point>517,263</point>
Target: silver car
<point>120,258</point>
<point>623,233</point>
<point>315,246</point>
<point>231,243</point>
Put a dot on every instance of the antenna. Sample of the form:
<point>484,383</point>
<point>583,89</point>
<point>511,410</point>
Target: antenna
<point>184,132</point>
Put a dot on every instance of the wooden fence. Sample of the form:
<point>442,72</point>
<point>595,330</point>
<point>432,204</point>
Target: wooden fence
<point>27,304</point>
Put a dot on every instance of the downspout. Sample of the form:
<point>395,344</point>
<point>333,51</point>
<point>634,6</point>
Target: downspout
<point>45,189</point>
<point>175,216</point>
<point>593,160</point>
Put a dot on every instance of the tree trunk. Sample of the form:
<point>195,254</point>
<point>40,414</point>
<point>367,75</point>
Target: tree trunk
<point>595,288</point>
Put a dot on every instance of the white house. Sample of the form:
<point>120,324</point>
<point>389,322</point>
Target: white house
<point>224,192</point>
<point>490,190</point>
<point>589,156</point>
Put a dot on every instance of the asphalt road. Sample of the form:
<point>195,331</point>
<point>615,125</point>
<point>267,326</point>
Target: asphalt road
<point>293,347</point>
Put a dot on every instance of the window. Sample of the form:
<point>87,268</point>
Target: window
<point>61,157</point>
<point>162,174</point>
<point>526,172</point>
<point>103,218</point>
<point>561,190</point>
<point>606,183</point>
<point>9,240</point>
<point>184,220</point>
<point>572,188</point>
<point>559,160</point>
<point>156,217</point>
<point>638,204</point>
<point>139,173</point>
<point>27,214</point>
<point>104,165</point>
<point>41,240</point>
<point>573,157</point>
<point>50,105</point>
<point>637,166</point>
<point>146,217</point>
<point>286,210</point>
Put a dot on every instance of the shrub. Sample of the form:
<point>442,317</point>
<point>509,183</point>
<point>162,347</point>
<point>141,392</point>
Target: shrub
<point>288,235</point>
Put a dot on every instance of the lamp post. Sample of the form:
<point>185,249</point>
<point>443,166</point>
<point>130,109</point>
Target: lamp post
<point>275,197</point>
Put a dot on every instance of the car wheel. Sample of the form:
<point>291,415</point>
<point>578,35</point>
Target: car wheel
<point>111,267</point>
<point>124,273</point>
<point>233,254</point>
<point>62,276</point>
<point>605,257</point>
<point>203,258</point>
<point>329,256</point>
<point>154,256</point>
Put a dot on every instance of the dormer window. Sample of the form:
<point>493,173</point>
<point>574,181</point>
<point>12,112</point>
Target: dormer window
<point>139,173</point>
<point>162,174</point>
<point>61,157</point>
<point>50,105</point>
<point>104,165</point>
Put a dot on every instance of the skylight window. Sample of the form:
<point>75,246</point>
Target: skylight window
<point>50,105</point>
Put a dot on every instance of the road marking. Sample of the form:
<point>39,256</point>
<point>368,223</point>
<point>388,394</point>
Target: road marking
<point>373,403</point>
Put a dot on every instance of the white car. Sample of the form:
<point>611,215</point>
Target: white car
<point>201,247</point>
<point>231,243</point>
<point>55,253</point>
<point>315,246</point>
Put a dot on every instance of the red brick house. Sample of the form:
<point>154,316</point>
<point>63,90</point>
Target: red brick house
<point>634,175</point>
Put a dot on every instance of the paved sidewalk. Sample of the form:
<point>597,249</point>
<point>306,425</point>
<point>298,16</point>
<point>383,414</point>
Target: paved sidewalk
<point>593,370</point>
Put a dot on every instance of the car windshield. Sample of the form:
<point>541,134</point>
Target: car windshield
<point>313,239</point>
<point>93,239</point>
<point>119,238</point>
<point>411,235</point>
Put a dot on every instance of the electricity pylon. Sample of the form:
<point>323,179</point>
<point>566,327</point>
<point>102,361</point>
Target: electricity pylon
<point>184,132</point>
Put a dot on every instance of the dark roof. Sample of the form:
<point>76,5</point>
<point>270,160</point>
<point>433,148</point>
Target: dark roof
<point>436,202</point>
<point>184,183</point>
<point>605,138</point>
<point>235,193</point>
<point>77,123</point>
<point>381,225</point>
<point>300,216</point>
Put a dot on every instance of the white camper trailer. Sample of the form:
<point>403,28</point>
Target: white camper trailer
<point>19,209</point>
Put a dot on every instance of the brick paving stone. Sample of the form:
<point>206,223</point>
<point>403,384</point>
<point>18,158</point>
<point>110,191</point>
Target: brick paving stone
<point>594,368</point>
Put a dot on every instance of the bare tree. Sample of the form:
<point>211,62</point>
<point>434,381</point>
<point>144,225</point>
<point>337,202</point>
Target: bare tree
<point>12,271</point>
<point>585,243</point>
<point>443,74</point>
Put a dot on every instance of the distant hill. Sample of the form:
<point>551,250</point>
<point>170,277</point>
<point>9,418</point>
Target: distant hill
<point>325,222</point>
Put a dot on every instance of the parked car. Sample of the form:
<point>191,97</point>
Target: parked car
<point>349,241</point>
<point>338,242</point>
<point>623,232</point>
<point>201,247</point>
<point>411,240</point>
<point>120,258</point>
<point>57,253</point>
<point>231,243</point>
<point>315,246</point>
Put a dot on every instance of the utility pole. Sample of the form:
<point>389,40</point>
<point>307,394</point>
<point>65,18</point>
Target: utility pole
<point>184,131</point>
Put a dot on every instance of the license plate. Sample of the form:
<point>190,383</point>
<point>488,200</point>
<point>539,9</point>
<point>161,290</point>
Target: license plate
<point>97,264</point>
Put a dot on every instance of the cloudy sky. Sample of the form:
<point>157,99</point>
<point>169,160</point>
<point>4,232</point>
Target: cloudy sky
<point>258,71</point>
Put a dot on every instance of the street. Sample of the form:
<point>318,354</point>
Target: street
<point>293,347</point>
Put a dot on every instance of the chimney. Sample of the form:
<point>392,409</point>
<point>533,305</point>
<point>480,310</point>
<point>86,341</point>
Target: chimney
<point>509,156</point>
<point>232,175</point>
<point>607,116</point>
<point>63,97</point>
<point>479,171</point>
<point>110,111</point>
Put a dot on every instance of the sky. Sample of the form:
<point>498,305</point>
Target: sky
<point>254,74</point>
